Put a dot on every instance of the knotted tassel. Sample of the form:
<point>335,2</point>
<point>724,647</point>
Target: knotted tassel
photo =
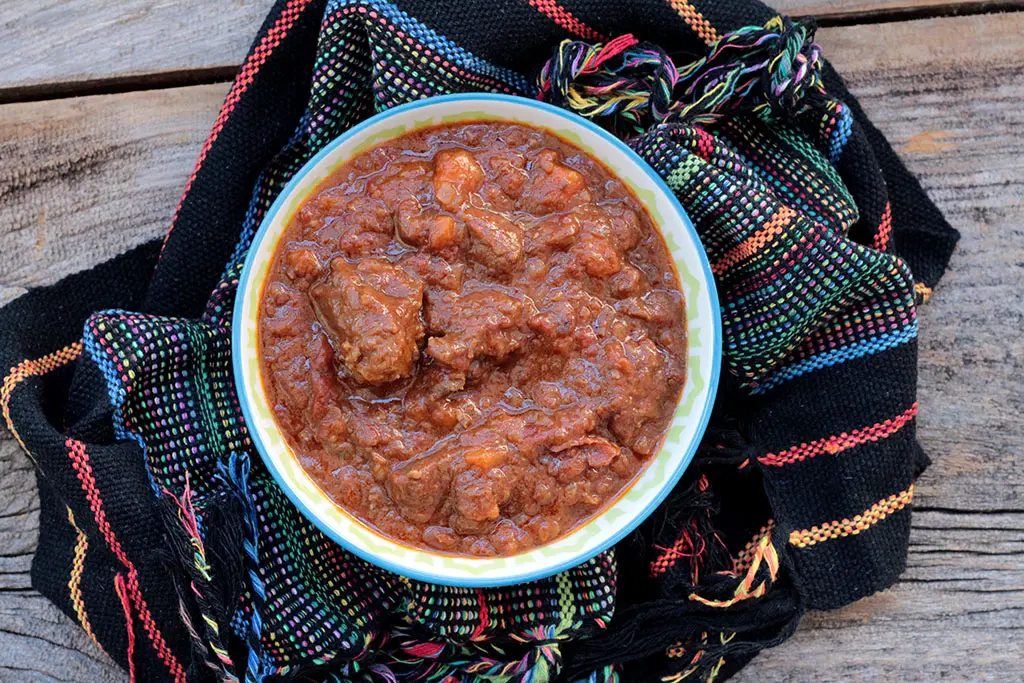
<point>235,474</point>
<point>188,540</point>
<point>771,70</point>
<point>623,83</point>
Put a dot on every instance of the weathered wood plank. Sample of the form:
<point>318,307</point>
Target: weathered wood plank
<point>830,11</point>
<point>50,45</point>
<point>84,179</point>
<point>946,92</point>
<point>55,41</point>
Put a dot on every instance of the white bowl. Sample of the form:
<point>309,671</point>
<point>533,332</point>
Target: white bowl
<point>656,479</point>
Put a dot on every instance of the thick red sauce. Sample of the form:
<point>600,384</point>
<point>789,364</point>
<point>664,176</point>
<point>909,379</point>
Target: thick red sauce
<point>473,337</point>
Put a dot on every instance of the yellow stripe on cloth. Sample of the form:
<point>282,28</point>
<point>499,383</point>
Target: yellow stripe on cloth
<point>75,582</point>
<point>851,527</point>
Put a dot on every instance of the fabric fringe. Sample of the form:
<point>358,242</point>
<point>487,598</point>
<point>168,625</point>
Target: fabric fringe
<point>235,474</point>
<point>628,85</point>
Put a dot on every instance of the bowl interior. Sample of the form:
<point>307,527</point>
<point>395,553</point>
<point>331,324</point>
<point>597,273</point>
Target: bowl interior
<point>647,490</point>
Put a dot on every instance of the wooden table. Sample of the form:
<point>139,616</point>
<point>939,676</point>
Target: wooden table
<point>104,106</point>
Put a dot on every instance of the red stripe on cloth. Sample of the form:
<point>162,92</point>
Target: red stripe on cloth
<point>840,442</point>
<point>122,595</point>
<point>881,241</point>
<point>485,619</point>
<point>256,59</point>
<point>80,461</point>
<point>564,18</point>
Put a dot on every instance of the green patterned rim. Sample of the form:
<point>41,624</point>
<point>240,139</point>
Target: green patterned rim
<point>647,490</point>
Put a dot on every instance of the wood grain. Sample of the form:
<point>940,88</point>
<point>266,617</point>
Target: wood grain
<point>863,11</point>
<point>946,91</point>
<point>56,41</point>
<point>84,179</point>
<point>61,46</point>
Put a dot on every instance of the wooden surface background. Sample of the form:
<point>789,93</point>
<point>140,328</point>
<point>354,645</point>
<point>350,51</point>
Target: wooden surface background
<point>103,108</point>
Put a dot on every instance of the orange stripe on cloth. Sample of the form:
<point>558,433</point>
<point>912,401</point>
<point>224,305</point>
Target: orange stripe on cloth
<point>75,582</point>
<point>246,75</point>
<point>33,368</point>
<point>696,21</point>
<point>755,243</point>
<point>841,442</point>
<point>564,18</point>
<point>881,240</point>
<point>80,461</point>
<point>851,527</point>
<point>923,291</point>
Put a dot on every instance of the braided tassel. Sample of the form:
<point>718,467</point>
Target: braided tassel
<point>770,71</point>
<point>236,476</point>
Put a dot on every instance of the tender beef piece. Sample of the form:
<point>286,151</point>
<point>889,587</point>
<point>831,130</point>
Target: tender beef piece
<point>495,241</point>
<point>510,173</point>
<point>630,281</point>
<point>619,224</point>
<point>302,264</point>
<point>419,487</point>
<point>361,226</point>
<point>659,306</point>
<point>371,314</point>
<point>558,231</point>
<point>553,186</point>
<point>478,495</point>
<point>598,256</point>
<point>434,270</point>
<point>457,174</point>
<point>606,233</point>
<point>428,228</point>
<point>488,323</point>
<point>427,400</point>
<point>399,180</point>
<point>637,375</point>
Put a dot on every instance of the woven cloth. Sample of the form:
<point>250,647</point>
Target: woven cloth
<point>164,537</point>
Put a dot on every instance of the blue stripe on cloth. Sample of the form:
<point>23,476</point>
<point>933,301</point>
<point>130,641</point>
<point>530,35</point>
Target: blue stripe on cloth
<point>836,356</point>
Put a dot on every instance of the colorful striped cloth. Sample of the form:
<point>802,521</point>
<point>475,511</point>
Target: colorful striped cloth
<point>166,539</point>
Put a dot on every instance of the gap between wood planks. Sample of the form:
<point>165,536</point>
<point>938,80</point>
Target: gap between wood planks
<point>861,13</point>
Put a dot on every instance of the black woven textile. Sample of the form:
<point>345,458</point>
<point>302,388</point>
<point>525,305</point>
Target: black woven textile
<point>799,497</point>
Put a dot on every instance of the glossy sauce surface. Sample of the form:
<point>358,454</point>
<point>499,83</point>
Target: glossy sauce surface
<point>473,337</point>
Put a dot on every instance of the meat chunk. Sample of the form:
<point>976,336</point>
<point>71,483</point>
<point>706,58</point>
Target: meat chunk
<point>371,314</point>
<point>659,307</point>
<point>486,323</point>
<point>598,256</point>
<point>553,186</point>
<point>420,486</point>
<point>478,496</point>
<point>510,174</point>
<point>607,232</point>
<point>427,228</point>
<point>399,180</point>
<point>363,226</point>
<point>457,175</point>
<point>302,265</point>
<point>495,241</point>
<point>558,231</point>
<point>639,378</point>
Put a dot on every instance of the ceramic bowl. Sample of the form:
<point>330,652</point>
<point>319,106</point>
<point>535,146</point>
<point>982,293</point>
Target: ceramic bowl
<point>647,490</point>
